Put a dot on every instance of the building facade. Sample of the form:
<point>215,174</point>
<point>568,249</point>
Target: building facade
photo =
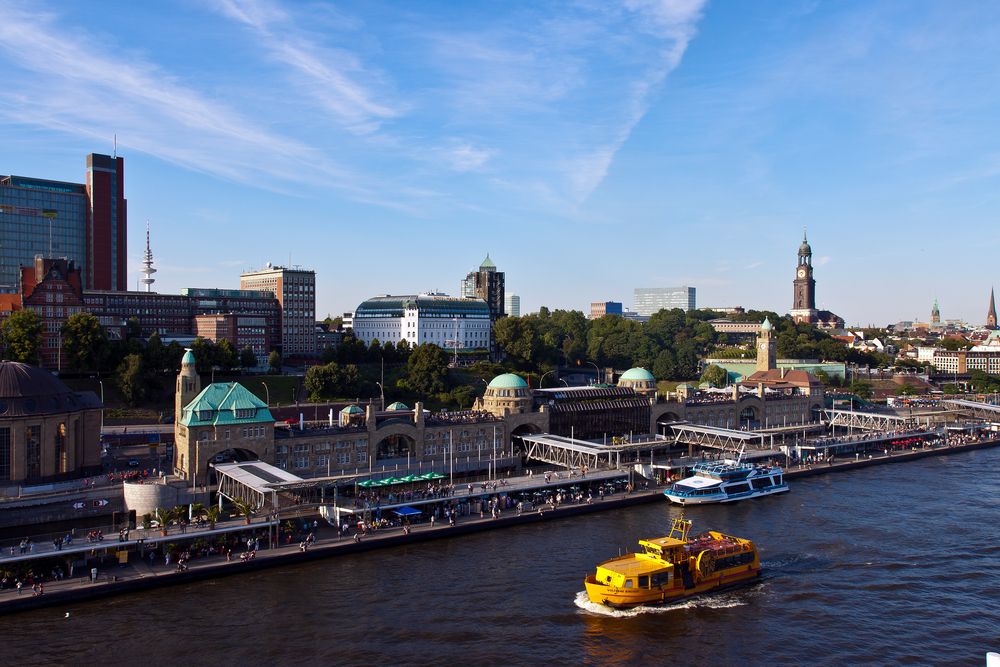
<point>295,290</point>
<point>487,284</point>
<point>648,300</point>
<point>455,324</point>
<point>599,309</point>
<point>84,222</point>
<point>47,431</point>
<point>512,305</point>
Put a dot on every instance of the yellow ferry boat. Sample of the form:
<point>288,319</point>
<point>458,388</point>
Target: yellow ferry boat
<point>674,567</point>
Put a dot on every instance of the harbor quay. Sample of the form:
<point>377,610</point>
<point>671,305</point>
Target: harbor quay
<point>233,547</point>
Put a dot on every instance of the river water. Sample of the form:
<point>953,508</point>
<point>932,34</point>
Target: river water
<point>895,564</point>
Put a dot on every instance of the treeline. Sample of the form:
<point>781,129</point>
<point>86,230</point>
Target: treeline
<point>135,363</point>
<point>669,344</point>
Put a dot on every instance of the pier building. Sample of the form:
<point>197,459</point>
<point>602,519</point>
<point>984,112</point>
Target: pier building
<point>48,432</point>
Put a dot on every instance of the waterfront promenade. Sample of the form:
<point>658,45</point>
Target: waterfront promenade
<point>139,574</point>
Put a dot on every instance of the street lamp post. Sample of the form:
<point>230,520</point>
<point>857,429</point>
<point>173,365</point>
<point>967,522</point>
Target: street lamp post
<point>267,392</point>
<point>543,377</point>
<point>596,369</point>
<point>381,391</point>
<point>101,382</point>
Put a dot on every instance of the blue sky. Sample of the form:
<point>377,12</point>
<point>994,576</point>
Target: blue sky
<point>589,147</point>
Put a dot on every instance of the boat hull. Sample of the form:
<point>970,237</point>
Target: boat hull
<point>715,500</point>
<point>618,598</point>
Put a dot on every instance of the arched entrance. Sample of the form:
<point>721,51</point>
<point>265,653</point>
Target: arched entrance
<point>664,421</point>
<point>749,417</point>
<point>231,455</point>
<point>517,444</point>
<point>396,446</point>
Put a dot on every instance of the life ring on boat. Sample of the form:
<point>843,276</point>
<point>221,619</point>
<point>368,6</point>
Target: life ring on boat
<point>706,563</point>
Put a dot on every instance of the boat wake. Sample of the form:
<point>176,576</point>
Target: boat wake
<point>723,601</point>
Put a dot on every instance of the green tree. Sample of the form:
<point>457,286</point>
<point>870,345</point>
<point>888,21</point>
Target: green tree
<point>84,342</point>
<point>204,354</point>
<point>715,376</point>
<point>133,379</point>
<point>225,355</point>
<point>518,338</point>
<point>22,336</point>
<point>426,369</point>
<point>247,358</point>
<point>331,380</point>
<point>274,361</point>
<point>154,356</point>
<point>954,343</point>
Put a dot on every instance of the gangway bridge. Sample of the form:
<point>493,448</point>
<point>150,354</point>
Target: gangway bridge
<point>573,453</point>
<point>984,411</point>
<point>865,421</point>
<point>722,439</point>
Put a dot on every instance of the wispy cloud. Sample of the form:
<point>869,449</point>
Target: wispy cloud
<point>674,23</point>
<point>66,83</point>
<point>333,77</point>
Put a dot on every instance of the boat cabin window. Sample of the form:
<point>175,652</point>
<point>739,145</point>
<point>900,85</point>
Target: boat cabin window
<point>644,582</point>
<point>739,488</point>
<point>660,579</point>
<point>628,583</point>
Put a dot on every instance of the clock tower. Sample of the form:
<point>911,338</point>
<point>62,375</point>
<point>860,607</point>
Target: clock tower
<point>804,286</point>
<point>766,348</point>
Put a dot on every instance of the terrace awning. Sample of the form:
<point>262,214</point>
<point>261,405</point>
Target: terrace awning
<point>407,511</point>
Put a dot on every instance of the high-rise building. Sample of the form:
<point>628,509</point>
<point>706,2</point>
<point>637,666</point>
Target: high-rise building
<point>512,305</point>
<point>648,300</point>
<point>935,313</point>
<point>83,222</point>
<point>599,309</point>
<point>487,284</point>
<point>295,290</point>
<point>107,222</point>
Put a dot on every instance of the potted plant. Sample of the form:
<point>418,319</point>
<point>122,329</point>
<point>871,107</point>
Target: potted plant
<point>244,508</point>
<point>147,521</point>
<point>163,517</point>
<point>212,514</point>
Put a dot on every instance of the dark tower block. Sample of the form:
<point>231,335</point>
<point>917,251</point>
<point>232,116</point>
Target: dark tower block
<point>107,221</point>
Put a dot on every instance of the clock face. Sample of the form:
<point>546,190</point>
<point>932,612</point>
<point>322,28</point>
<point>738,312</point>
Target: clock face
<point>802,273</point>
<point>763,347</point>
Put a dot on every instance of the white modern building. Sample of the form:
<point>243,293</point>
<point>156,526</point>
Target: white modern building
<point>512,305</point>
<point>648,300</point>
<point>446,321</point>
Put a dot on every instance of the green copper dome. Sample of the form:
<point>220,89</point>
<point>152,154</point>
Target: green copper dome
<point>637,374</point>
<point>508,381</point>
<point>394,407</point>
<point>487,263</point>
<point>766,326</point>
<point>188,358</point>
<point>351,410</point>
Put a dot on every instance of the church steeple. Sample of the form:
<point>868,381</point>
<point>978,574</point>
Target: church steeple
<point>804,287</point>
<point>935,313</point>
<point>991,314</point>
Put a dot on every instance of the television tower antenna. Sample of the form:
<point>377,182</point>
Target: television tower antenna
<point>147,264</point>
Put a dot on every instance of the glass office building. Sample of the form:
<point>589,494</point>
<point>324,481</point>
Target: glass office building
<point>648,300</point>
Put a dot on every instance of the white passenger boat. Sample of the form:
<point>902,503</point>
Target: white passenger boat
<point>726,482</point>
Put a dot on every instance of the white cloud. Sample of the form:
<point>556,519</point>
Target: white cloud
<point>66,80</point>
<point>330,76</point>
<point>463,156</point>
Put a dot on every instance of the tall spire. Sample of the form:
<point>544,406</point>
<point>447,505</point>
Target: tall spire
<point>147,264</point>
<point>991,315</point>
